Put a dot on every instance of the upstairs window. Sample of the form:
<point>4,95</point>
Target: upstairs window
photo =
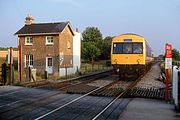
<point>28,40</point>
<point>49,40</point>
<point>68,45</point>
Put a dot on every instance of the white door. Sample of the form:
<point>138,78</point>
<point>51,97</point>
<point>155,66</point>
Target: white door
<point>49,65</point>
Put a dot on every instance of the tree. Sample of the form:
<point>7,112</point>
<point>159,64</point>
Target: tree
<point>92,34</point>
<point>91,44</point>
<point>106,48</point>
<point>176,54</point>
<point>90,51</point>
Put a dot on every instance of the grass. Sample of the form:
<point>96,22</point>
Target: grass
<point>98,66</point>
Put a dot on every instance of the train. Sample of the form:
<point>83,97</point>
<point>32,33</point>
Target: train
<point>131,54</point>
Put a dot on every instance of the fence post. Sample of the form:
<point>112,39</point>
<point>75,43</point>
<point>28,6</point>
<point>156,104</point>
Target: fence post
<point>4,75</point>
<point>12,74</point>
<point>66,72</point>
<point>30,74</point>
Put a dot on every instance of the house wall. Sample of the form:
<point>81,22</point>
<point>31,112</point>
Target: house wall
<point>76,56</point>
<point>66,48</point>
<point>61,51</point>
<point>40,51</point>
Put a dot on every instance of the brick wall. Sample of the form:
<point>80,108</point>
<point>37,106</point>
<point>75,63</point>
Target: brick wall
<point>40,51</point>
<point>66,48</point>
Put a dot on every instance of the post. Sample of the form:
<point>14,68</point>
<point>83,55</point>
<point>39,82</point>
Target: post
<point>10,66</point>
<point>66,72</point>
<point>20,62</point>
<point>168,65</point>
<point>29,70</point>
<point>4,77</point>
<point>12,74</point>
<point>166,90</point>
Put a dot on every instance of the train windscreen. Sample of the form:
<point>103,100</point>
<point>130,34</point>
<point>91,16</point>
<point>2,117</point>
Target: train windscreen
<point>117,48</point>
<point>137,48</point>
<point>127,48</point>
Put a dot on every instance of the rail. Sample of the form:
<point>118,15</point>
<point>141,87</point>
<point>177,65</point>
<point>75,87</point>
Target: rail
<point>94,90</point>
<point>121,95</point>
<point>84,78</point>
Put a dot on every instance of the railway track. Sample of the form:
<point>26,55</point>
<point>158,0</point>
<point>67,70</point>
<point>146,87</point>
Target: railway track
<point>87,104</point>
<point>68,83</point>
<point>152,93</point>
<point>120,94</point>
<point>46,104</point>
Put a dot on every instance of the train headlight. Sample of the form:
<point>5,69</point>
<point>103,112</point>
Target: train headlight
<point>138,61</point>
<point>115,61</point>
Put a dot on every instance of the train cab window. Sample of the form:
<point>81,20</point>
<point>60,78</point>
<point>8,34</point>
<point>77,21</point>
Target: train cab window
<point>137,48</point>
<point>127,48</point>
<point>117,48</point>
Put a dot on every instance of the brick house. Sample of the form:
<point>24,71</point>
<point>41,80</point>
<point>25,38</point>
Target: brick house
<point>46,46</point>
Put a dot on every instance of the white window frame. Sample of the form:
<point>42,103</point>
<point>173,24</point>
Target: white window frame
<point>29,40</point>
<point>49,40</point>
<point>28,60</point>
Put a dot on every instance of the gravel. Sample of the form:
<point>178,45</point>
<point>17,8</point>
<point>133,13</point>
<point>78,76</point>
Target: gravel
<point>100,83</point>
<point>150,79</point>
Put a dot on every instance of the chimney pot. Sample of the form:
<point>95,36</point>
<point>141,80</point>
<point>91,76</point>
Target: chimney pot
<point>77,30</point>
<point>29,20</point>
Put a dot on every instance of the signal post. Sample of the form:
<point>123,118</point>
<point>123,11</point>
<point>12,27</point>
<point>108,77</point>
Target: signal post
<point>168,65</point>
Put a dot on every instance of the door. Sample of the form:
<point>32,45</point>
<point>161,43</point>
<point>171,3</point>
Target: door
<point>49,65</point>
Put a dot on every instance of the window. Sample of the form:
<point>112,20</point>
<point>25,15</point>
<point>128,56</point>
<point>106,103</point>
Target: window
<point>68,45</point>
<point>137,48</point>
<point>28,60</point>
<point>28,41</point>
<point>49,40</point>
<point>117,48</point>
<point>127,40</point>
<point>50,62</point>
<point>127,48</point>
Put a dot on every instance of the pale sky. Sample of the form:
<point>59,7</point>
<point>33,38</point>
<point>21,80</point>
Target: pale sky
<point>156,20</point>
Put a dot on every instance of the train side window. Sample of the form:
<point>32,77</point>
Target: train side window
<point>137,48</point>
<point>127,48</point>
<point>117,48</point>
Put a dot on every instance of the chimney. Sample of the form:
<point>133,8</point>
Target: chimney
<point>29,20</point>
<point>76,29</point>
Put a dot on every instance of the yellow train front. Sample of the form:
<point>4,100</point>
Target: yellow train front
<point>130,54</point>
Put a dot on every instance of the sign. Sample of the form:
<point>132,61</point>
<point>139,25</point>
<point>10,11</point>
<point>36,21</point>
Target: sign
<point>10,56</point>
<point>168,51</point>
<point>168,59</point>
<point>168,63</point>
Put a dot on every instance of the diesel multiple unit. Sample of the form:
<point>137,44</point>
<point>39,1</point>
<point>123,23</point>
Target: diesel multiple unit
<point>130,54</point>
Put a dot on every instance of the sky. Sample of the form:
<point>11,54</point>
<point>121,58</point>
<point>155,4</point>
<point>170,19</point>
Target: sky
<point>158,21</point>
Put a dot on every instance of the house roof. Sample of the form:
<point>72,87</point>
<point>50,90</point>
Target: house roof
<point>43,28</point>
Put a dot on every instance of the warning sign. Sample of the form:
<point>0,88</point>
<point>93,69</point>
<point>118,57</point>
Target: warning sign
<point>168,60</point>
<point>168,51</point>
<point>168,63</point>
